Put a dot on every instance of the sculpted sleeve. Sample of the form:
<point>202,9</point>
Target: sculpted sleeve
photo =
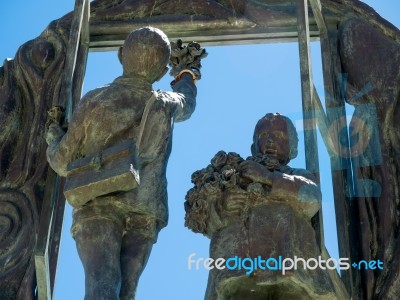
<point>299,187</point>
<point>186,93</point>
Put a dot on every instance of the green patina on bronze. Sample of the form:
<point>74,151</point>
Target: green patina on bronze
<point>34,82</point>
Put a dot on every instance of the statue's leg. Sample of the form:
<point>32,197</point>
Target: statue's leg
<point>99,243</point>
<point>136,247</point>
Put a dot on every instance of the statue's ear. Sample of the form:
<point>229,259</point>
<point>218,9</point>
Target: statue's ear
<point>253,150</point>
<point>163,72</point>
<point>120,54</point>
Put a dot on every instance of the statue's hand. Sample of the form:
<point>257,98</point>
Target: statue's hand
<point>54,134</point>
<point>55,115</point>
<point>255,172</point>
<point>235,201</point>
<point>186,59</point>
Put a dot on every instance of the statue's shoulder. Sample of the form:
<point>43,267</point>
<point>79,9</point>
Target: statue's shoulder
<point>171,99</point>
<point>167,96</point>
<point>93,94</point>
<point>297,172</point>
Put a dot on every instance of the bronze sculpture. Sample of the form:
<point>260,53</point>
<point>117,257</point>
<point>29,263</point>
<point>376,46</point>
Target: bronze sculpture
<point>259,207</point>
<point>372,86</point>
<point>29,86</point>
<point>378,239</point>
<point>115,232</point>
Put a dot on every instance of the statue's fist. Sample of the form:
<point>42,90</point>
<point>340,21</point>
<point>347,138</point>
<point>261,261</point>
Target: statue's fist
<point>186,58</point>
<point>54,134</point>
<point>235,201</point>
<point>255,172</point>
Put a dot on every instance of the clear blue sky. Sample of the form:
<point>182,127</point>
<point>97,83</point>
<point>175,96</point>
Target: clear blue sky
<point>240,84</point>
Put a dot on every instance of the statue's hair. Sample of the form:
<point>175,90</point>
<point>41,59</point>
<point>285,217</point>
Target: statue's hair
<point>291,129</point>
<point>146,52</point>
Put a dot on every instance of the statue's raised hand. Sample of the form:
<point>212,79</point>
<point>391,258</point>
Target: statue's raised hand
<point>186,59</point>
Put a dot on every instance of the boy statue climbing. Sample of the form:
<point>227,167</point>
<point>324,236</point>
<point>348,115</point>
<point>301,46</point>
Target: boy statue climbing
<point>114,233</point>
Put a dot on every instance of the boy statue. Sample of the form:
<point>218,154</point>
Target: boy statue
<point>114,233</point>
<point>257,212</point>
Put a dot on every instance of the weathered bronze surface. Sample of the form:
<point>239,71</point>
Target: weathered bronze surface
<point>218,22</point>
<point>31,84</point>
<point>372,63</point>
<point>114,169</point>
<point>115,232</point>
<point>259,207</point>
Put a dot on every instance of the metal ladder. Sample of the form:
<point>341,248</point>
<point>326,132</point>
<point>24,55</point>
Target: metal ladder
<point>52,214</point>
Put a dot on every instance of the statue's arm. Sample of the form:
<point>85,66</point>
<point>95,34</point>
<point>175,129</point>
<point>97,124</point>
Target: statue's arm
<point>186,96</point>
<point>298,187</point>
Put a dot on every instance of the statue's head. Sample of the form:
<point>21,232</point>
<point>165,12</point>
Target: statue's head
<point>146,52</point>
<point>275,135</point>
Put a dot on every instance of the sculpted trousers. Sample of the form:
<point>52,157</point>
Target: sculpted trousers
<point>113,258</point>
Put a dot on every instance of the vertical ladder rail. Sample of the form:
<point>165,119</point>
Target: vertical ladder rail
<point>340,164</point>
<point>307,88</point>
<point>52,214</point>
<point>309,118</point>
